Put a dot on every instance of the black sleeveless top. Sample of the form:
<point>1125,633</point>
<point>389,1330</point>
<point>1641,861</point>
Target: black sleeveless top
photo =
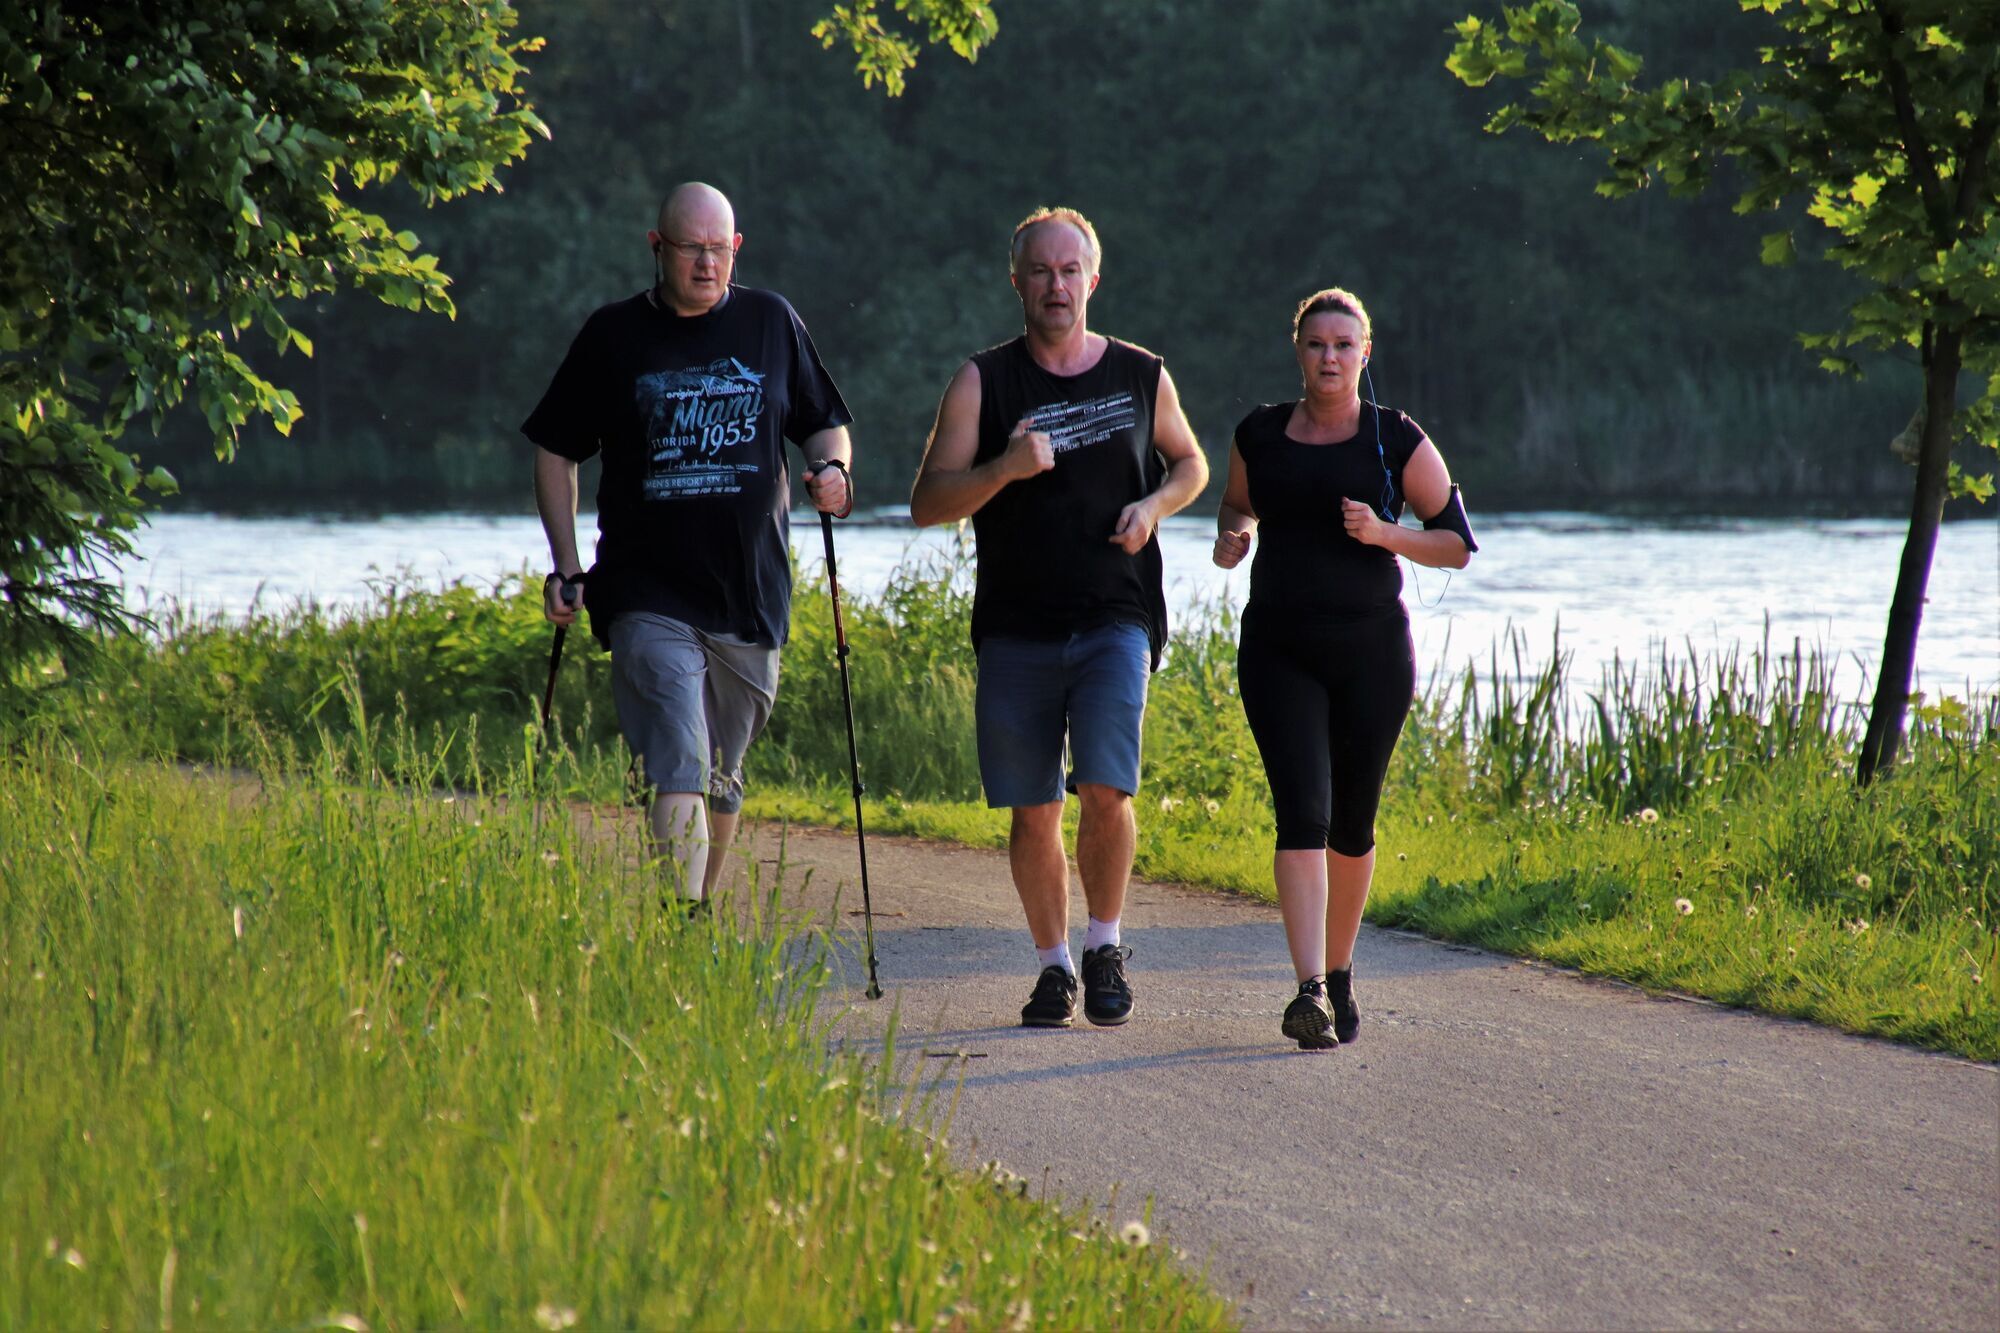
<point>1047,565</point>
<point>1307,568</point>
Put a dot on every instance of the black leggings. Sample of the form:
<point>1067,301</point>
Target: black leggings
<point>1326,703</point>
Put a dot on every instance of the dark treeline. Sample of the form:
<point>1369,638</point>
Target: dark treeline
<point>1564,350</point>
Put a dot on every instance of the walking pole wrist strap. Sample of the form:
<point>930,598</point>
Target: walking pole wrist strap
<point>848,473</point>
<point>568,581</point>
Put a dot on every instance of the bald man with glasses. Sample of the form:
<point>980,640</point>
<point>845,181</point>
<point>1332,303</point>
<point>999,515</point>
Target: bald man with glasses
<point>689,390</point>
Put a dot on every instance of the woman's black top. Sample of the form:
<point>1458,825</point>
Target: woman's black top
<point>1307,568</point>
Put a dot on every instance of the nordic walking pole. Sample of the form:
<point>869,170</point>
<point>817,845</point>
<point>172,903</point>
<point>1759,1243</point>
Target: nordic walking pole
<point>853,755</point>
<point>570,585</point>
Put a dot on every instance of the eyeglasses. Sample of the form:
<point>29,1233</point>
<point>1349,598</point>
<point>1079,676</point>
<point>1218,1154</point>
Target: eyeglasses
<point>693,251</point>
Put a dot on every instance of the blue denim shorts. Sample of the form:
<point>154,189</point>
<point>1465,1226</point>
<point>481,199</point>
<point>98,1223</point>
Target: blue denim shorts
<point>1088,689</point>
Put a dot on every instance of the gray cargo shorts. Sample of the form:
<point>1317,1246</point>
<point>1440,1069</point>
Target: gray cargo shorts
<point>690,703</point>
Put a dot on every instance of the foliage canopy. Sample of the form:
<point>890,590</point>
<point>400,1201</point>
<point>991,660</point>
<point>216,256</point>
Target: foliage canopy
<point>1878,115</point>
<point>185,170</point>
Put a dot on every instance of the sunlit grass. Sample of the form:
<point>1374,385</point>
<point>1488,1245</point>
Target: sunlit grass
<point>298,1047</point>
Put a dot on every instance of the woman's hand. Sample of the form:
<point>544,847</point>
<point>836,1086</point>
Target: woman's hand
<point>1364,524</point>
<point>1231,547</point>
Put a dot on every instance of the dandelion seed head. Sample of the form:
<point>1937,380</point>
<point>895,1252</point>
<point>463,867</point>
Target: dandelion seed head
<point>1134,1233</point>
<point>1649,816</point>
<point>1862,881</point>
<point>1684,906</point>
<point>554,1317</point>
<point>1212,805</point>
<point>1750,911</point>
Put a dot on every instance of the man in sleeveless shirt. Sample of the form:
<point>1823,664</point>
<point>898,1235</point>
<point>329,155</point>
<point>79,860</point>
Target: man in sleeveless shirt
<point>690,390</point>
<point>1066,448</point>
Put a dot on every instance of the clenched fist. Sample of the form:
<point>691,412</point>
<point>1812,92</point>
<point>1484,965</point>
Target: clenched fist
<point>1029,451</point>
<point>1231,547</point>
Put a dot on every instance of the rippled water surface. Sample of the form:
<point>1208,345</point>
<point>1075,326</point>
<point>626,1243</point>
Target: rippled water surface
<point>1614,585</point>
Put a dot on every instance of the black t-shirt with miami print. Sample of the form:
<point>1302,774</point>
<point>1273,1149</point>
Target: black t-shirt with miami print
<point>691,414</point>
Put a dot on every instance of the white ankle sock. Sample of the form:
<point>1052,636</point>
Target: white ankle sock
<point>1100,934</point>
<point>1057,957</point>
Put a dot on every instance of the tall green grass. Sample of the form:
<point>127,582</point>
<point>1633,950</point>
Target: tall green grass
<point>1724,779</point>
<point>294,1046</point>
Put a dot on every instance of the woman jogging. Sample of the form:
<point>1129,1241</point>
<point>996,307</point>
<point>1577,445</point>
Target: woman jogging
<point>1326,665</point>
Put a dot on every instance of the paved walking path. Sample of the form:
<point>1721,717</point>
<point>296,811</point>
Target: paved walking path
<point>1505,1146</point>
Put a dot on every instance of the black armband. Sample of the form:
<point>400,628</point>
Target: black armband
<point>1452,518</point>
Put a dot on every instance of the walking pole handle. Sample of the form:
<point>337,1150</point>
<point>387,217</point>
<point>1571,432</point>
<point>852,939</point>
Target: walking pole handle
<point>569,594</point>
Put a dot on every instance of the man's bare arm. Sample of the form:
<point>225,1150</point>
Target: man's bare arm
<point>827,487</point>
<point>1187,471</point>
<point>555,501</point>
<point>949,485</point>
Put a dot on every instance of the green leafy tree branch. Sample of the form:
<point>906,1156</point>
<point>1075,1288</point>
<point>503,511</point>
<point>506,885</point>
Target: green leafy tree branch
<point>185,170</point>
<point>885,54</point>
<point>1879,117</point>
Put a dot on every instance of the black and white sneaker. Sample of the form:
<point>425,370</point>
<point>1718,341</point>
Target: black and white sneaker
<point>1053,1005</point>
<point>1309,1019</point>
<point>1340,996</point>
<point>1107,996</point>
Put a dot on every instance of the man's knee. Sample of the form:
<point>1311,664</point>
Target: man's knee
<point>1036,822</point>
<point>1100,800</point>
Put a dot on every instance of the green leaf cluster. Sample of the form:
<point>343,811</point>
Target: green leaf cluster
<point>882,54</point>
<point>181,175</point>
<point>1880,115</point>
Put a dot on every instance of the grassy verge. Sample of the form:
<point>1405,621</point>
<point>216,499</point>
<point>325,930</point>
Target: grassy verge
<point>320,1051</point>
<point>1686,822</point>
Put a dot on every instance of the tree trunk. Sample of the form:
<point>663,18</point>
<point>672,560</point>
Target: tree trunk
<point>1906,608</point>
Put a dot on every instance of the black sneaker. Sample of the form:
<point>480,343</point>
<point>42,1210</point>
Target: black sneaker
<point>1340,996</point>
<point>1308,1019</point>
<point>1053,1005</point>
<point>1107,997</point>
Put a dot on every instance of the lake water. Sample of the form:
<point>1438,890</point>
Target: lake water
<point>1614,585</point>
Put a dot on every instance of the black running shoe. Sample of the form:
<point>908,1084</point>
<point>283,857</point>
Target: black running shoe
<point>684,909</point>
<point>1053,1005</point>
<point>1340,996</point>
<point>1308,1019</point>
<point>1107,996</point>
